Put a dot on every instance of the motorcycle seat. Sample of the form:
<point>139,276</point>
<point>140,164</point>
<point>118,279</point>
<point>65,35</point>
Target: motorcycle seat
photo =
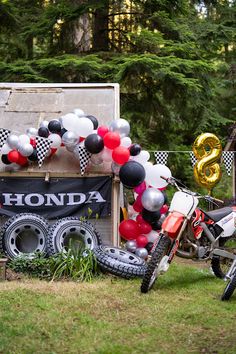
<point>218,214</point>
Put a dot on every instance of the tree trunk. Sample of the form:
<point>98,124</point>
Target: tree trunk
<point>100,28</point>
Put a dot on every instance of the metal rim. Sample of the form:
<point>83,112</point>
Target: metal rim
<point>78,234</point>
<point>122,255</point>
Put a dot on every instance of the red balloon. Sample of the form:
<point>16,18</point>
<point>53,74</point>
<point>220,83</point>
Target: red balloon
<point>102,130</point>
<point>111,140</point>
<point>164,209</point>
<point>13,156</point>
<point>139,219</point>
<point>138,204</point>
<point>145,227</point>
<point>22,160</point>
<point>141,241</point>
<point>129,229</point>
<point>121,155</point>
<point>53,151</point>
<point>33,142</point>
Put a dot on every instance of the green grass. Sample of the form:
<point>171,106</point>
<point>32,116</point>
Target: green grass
<point>182,314</point>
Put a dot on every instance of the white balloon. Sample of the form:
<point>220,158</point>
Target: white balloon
<point>69,122</point>
<point>106,155</point>
<point>79,112</point>
<point>44,124</point>
<point>32,132</point>
<point>146,165</point>
<point>154,174</point>
<point>56,140</point>
<point>126,141</point>
<point>96,159</point>
<point>83,127</point>
<point>26,149</point>
<point>23,139</point>
<point>5,149</point>
<point>143,157</point>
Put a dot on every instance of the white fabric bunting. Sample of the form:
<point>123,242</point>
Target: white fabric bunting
<point>228,158</point>
<point>161,157</point>
<point>4,134</point>
<point>42,148</point>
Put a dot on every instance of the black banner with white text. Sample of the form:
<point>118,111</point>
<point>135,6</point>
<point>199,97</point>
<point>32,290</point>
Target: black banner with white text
<point>57,198</point>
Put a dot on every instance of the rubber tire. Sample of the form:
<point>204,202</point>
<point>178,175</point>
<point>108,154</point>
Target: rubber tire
<point>119,262</point>
<point>23,221</point>
<point>90,236</point>
<point>216,261</point>
<point>229,289</point>
<point>158,253</point>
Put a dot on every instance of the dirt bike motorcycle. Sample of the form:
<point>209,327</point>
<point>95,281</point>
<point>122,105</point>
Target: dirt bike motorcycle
<point>231,278</point>
<point>189,232</point>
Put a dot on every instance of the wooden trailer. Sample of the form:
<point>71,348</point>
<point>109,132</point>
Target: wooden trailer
<point>26,105</point>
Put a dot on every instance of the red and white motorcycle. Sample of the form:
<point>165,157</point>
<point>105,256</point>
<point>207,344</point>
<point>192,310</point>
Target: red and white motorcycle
<point>192,233</point>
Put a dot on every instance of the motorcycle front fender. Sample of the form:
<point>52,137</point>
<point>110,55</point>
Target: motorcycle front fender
<point>172,224</point>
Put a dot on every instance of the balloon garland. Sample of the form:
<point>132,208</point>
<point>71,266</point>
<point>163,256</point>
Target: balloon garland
<point>104,144</point>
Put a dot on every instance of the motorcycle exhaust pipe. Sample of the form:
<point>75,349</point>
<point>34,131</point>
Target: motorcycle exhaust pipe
<point>189,255</point>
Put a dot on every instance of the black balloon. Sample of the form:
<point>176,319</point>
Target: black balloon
<point>33,156</point>
<point>132,174</point>
<point>135,149</point>
<point>5,160</point>
<point>54,126</point>
<point>165,197</point>
<point>43,132</point>
<point>94,143</point>
<point>93,120</point>
<point>63,131</point>
<point>149,246</point>
<point>156,225</point>
<point>150,216</point>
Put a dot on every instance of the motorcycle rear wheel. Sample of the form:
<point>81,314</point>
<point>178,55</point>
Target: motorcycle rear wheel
<point>229,289</point>
<point>221,265</point>
<point>158,253</point>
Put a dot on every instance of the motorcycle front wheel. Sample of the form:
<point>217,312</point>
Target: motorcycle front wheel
<point>221,265</point>
<point>151,273</point>
<point>229,289</point>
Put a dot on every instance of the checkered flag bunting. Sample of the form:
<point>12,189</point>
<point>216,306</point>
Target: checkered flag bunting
<point>83,156</point>
<point>228,158</point>
<point>42,147</point>
<point>192,158</point>
<point>4,134</point>
<point>161,157</point>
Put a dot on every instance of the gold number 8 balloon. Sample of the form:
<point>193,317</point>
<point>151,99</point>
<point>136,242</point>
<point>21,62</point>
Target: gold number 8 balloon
<point>207,149</point>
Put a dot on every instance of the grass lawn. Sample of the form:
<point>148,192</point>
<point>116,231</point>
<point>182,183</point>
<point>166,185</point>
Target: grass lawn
<point>182,314</point>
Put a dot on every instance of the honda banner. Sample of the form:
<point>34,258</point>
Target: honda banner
<point>57,198</point>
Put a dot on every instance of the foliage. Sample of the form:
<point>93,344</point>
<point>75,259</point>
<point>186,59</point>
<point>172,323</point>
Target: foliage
<point>75,264</point>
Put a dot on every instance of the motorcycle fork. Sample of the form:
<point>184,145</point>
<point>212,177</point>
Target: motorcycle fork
<point>175,242</point>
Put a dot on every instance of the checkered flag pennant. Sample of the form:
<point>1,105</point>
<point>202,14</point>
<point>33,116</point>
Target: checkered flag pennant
<point>83,156</point>
<point>42,148</point>
<point>4,134</point>
<point>228,158</point>
<point>192,158</point>
<point>161,157</point>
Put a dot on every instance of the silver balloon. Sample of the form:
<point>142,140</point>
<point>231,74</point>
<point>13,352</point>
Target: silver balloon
<point>13,141</point>
<point>141,252</point>
<point>44,124</point>
<point>96,159</point>
<point>152,199</point>
<point>131,245</point>
<point>162,218</point>
<point>70,148</point>
<point>32,132</point>
<point>115,168</point>
<point>69,138</point>
<point>25,149</point>
<point>120,126</point>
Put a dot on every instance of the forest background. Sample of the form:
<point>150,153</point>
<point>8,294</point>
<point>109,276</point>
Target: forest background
<point>175,61</point>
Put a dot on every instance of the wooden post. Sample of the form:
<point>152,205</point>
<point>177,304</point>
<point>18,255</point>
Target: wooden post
<point>3,269</point>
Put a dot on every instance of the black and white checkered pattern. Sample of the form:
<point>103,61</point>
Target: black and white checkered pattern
<point>228,158</point>
<point>83,156</point>
<point>161,157</point>
<point>192,158</point>
<point>42,147</point>
<point>4,134</point>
